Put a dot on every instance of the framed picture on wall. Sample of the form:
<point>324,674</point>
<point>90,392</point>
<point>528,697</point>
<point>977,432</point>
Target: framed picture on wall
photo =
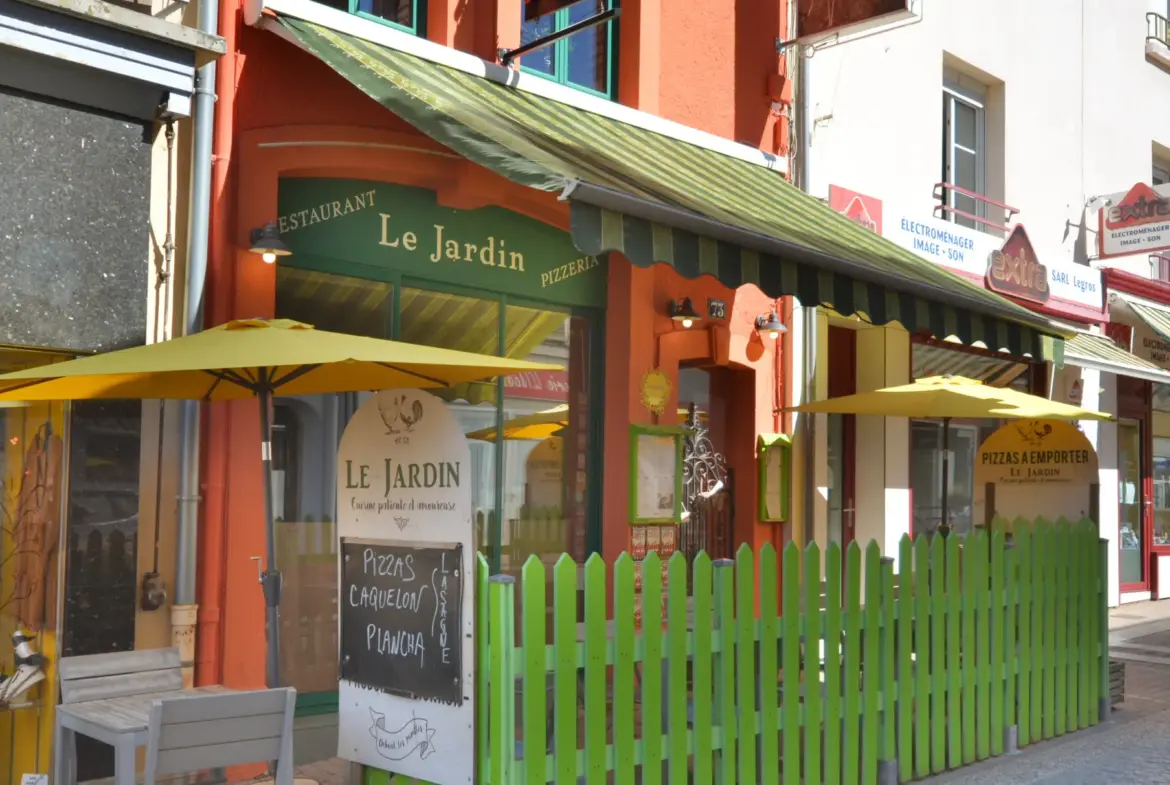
<point>656,481</point>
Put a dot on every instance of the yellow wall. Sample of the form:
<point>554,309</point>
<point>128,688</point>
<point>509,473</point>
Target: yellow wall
<point>25,734</point>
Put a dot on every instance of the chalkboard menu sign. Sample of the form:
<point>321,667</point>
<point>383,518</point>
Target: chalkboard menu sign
<point>401,618</point>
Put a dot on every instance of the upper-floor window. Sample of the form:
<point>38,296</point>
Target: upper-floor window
<point>409,15</point>
<point>964,151</point>
<point>583,60</point>
<point>1160,174</point>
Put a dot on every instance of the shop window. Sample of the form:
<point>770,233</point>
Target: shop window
<point>1161,431</point>
<point>964,500</point>
<point>583,60</point>
<point>1129,480</point>
<point>964,150</point>
<point>408,15</point>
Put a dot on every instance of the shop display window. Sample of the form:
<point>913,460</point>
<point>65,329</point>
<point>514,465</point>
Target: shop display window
<point>964,500</point>
<point>1161,463</point>
<point>530,489</point>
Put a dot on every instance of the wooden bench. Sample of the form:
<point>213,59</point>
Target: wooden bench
<point>109,697</point>
<point>211,731</point>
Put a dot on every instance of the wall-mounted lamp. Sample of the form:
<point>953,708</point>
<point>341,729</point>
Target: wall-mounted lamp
<point>266,242</point>
<point>770,325</point>
<point>683,311</point>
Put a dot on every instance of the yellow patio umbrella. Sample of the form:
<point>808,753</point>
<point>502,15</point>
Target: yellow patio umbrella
<point>947,397</point>
<point>256,358</point>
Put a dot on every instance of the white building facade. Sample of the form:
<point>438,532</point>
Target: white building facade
<point>946,131</point>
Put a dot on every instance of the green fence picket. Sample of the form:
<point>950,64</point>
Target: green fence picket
<point>701,686</point>
<point>769,667</point>
<point>954,659</point>
<point>1040,555</point>
<point>534,686</point>
<point>813,698</point>
<point>676,646</point>
<point>483,634</point>
<point>1101,630</point>
<point>652,751</point>
<point>979,564</point>
<point>920,676</point>
<point>790,629</point>
<point>905,675</point>
<point>1011,592</point>
<point>1022,537</point>
<point>564,670</point>
<point>937,616</point>
<point>888,752</point>
<point>1086,535</point>
<point>871,663</point>
<point>748,677</point>
<point>998,656</point>
<point>1060,642</point>
<point>624,649</point>
<point>595,671</point>
<point>1048,552</point>
<point>725,718</point>
<point>969,654</point>
<point>833,631</point>
<point>501,599</point>
<point>850,765</point>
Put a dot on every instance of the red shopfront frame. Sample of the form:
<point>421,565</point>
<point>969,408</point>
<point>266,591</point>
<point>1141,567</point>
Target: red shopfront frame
<point>1134,401</point>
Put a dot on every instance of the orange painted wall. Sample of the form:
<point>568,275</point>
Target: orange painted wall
<point>274,98</point>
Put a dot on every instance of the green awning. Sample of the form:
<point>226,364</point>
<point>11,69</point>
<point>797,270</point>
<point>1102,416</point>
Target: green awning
<point>1099,352</point>
<point>1156,319</point>
<point>696,209</point>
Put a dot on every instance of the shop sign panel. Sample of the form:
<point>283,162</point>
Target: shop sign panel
<point>1034,468</point>
<point>1014,270</point>
<point>380,230</point>
<point>406,582</point>
<point>969,252</point>
<point>1137,222</point>
<point>862,209</point>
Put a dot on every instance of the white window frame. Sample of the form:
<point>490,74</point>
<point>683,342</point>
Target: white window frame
<point>1160,171</point>
<point>956,89</point>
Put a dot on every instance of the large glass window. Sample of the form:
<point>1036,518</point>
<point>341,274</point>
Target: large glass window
<point>409,15</point>
<point>581,60</point>
<point>962,443</point>
<point>1161,467</point>
<point>529,489</point>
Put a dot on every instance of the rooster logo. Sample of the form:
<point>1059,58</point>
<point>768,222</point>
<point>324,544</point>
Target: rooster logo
<point>397,416</point>
<point>1033,431</point>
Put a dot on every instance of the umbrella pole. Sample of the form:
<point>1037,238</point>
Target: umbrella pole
<point>269,579</point>
<point>944,524</point>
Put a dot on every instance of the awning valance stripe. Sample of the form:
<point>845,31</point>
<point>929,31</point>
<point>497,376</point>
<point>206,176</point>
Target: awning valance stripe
<point>545,144</point>
<point>596,231</point>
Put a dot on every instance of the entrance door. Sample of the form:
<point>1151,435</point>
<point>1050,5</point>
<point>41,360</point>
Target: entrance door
<point>707,480</point>
<point>841,438</point>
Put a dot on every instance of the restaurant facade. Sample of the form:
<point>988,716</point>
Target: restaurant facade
<point>425,195</point>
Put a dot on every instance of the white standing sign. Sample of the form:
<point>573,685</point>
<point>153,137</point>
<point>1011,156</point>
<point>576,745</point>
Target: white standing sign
<point>407,579</point>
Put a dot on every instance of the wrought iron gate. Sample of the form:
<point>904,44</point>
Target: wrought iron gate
<point>707,498</point>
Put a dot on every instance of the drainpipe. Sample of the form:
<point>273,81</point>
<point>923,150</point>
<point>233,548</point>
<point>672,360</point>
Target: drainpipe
<point>802,164</point>
<point>184,611</point>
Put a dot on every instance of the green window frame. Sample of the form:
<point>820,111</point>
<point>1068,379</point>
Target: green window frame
<point>317,703</point>
<point>418,13</point>
<point>560,52</point>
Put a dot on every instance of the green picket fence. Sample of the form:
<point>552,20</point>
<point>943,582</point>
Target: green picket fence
<point>970,648</point>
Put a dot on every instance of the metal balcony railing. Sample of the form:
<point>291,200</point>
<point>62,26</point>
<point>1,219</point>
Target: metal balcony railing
<point>1156,28</point>
<point>943,190</point>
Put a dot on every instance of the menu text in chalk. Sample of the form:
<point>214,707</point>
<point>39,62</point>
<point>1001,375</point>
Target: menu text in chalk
<point>401,612</point>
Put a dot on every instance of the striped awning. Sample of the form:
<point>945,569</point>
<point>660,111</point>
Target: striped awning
<point>1156,319</point>
<point>1099,352</point>
<point>657,199</point>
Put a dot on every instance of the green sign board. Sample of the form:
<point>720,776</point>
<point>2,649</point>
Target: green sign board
<point>381,230</point>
